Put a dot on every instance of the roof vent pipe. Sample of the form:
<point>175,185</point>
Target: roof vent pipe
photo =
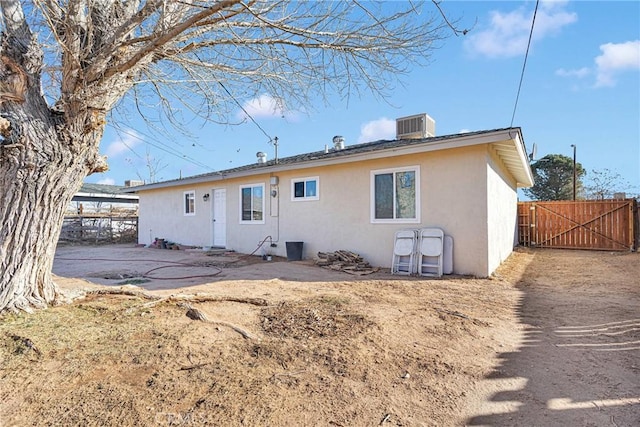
<point>338,142</point>
<point>262,157</point>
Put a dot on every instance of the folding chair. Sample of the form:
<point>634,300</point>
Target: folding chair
<point>404,245</point>
<point>430,250</point>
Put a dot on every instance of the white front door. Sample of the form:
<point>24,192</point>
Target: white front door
<point>220,217</point>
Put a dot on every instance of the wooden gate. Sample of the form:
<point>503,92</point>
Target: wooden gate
<point>582,224</point>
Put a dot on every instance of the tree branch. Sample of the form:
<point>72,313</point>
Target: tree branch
<point>120,38</point>
<point>453,28</point>
<point>163,38</point>
<point>13,17</point>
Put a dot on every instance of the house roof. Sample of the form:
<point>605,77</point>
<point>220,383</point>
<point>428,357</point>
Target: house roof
<point>507,143</point>
<point>104,193</point>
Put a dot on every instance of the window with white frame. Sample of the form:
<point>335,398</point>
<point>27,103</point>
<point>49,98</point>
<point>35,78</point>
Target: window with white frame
<point>189,200</point>
<point>305,188</point>
<point>395,195</point>
<point>252,204</point>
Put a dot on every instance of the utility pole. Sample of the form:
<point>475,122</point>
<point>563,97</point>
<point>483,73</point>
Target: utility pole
<point>574,171</point>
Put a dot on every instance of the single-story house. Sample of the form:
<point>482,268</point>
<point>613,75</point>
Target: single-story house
<point>355,197</point>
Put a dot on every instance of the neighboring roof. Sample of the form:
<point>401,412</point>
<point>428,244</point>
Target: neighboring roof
<point>508,143</point>
<point>104,193</point>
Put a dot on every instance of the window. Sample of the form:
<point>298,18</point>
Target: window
<point>189,203</point>
<point>252,203</point>
<point>304,189</point>
<point>395,195</point>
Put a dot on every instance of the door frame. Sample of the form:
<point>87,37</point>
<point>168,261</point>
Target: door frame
<point>214,219</point>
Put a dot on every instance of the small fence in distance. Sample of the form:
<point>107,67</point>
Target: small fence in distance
<point>99,228</point>
<point>580,224</point>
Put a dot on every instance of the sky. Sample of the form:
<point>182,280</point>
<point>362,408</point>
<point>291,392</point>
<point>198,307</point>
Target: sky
<point>581,86</point>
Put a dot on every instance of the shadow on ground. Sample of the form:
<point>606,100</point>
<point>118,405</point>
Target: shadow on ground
<point>578,363</point>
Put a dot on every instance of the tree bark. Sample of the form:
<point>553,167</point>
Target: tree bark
<point>45,154</point>
<point>38,176</point>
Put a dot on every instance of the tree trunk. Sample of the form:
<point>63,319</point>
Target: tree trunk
<point>45,154</point>
<point>39,174</point>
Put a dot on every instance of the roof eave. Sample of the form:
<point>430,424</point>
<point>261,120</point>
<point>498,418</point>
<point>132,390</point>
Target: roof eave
<point>513,154</point>
<point>107,196</point>
<point>519,168</point>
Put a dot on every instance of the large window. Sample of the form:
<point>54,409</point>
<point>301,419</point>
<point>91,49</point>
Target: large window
<point>252,203</point>
<point>304,188</point>
<point>189,199</point>
<point>395,195</point>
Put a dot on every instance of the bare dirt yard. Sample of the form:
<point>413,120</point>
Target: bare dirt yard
<point>552,339</point>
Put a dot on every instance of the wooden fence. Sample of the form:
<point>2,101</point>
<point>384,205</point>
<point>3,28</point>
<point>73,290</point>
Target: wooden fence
<point>99,228</point>
<point>582,224</point>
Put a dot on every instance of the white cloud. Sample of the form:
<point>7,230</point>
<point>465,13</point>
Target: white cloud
<point>265,106</point>
<point>107,181</point>
<point>616,58</point>
<point>508,33</point>
<point>550,4</point>
<point>551,18</point>
<point>580,73</point>
<point>382,128</point>
<point>128,139</point>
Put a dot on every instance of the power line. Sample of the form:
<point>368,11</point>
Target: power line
<point>239,105</point>
<point>245,111</point>
<point>168,149</point>
<point>524,65</point>
<point>129,147</point>
<point>183,157</point>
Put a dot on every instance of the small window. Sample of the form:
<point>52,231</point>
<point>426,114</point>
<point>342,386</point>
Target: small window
<point>304,188</point>
<point>189,203</point>
<point>252,204</point>
<point>395,195</point>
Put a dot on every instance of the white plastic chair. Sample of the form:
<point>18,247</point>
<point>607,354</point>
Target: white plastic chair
<point>430,250</point>
<point>404,248</point>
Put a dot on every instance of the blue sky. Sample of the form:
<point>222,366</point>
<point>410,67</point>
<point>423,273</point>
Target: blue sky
<point>581,86</point>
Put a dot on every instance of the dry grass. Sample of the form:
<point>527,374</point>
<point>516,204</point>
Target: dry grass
<point>356,353</point>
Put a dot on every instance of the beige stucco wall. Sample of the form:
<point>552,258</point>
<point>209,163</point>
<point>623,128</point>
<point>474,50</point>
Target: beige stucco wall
<point>453,187</point>
<point>456,202</point>
<point>502,213</point>
<point>161,215</point>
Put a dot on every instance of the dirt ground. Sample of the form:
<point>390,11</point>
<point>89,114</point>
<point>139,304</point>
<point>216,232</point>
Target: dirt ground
<point>576,361</point>
<point>552,339</point>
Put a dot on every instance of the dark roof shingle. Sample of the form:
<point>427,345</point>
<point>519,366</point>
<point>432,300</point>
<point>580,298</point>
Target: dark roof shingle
<point>332,153</point>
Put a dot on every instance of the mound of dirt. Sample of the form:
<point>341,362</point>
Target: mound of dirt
<point>312,319</point>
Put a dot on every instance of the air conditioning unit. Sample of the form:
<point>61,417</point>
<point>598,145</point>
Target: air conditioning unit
<point>415,127</point>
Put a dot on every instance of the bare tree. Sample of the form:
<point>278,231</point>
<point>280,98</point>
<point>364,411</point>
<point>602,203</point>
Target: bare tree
<point>154,166</point>
<point>604,183</point>
<point>65,64</point>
